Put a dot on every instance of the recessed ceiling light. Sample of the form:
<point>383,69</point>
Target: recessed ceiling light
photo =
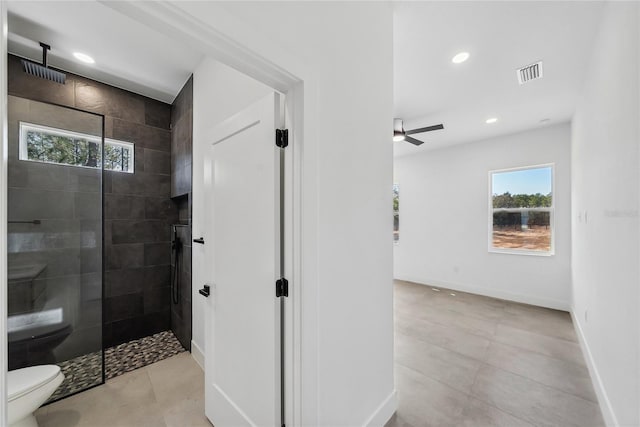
<point>460,58</point>
<point>491,120</point>
<point>545,121</point>
<point>84,57</point>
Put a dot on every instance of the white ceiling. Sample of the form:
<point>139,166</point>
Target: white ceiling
<point>429,88</point>
<point>128,55</point>
<point>501,37</point>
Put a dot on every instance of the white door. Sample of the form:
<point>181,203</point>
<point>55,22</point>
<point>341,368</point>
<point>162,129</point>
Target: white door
<point>242,184</point>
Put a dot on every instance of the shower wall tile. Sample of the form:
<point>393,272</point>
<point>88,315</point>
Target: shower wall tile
<point>156,254</point>
<point>91,314</point>
<point>181,140</point>
<point>125,281</point>
<point>124,306</point>
<point>87,205</point>
<point>144,136</point>
<point>157,161</point>
<point>156,299</point>
<point>81,179</point>
<point>156,322</point>
<point>141,184</point>
<point>107,186</point>
<point>157,276</point>
<point>109,101</point>
<point>59,262</point>
<point>39,176</point>
<point>124,207</point>
<point>137,209</point>
<point>138,165</point>
<point>159,208</point>
<point>147,231</point>
<point>124,256</point>
<point>28,204</point>
<point>157,114</point>
<point>108,127</point>
<point>91,287</point>
<point>90,260</point>
<point>129,329</point>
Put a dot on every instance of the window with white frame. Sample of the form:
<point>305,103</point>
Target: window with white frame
<point>51,145</point>
<point>521,210</point>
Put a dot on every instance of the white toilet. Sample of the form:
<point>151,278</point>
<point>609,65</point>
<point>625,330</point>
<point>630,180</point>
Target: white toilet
<point>28,388</point>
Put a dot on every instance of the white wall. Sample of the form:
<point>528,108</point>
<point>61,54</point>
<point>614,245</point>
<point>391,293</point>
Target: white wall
<point>343,52</point>
<point>444,219</point>
<point>605,164</point>
<point>218,93</point>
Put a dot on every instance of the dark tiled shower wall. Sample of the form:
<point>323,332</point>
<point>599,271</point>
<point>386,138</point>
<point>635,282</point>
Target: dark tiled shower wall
<point>182,141</point>
<point>138,209</point>
<point>65,243</point>
<point>181,185</point>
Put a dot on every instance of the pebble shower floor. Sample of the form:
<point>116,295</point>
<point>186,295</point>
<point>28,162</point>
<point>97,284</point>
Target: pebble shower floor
<point>85,371</point>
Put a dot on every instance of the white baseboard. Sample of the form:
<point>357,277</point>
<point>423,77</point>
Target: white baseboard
<point>384,412</point>
<point>197,354</point>
<point>494,293</point>
<point>603,400</point>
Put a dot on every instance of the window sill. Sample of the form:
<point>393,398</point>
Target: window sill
<point>521,252</point>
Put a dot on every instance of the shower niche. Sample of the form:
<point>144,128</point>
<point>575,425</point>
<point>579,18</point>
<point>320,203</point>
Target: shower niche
<point>54,243</point>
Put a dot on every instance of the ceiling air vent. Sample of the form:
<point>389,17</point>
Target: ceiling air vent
<point>530,72</point>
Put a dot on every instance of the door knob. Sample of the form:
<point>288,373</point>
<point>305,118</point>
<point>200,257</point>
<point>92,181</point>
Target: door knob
<point>205,291</point>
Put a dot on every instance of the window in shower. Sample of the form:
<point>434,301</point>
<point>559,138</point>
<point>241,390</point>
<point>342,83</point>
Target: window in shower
<point>51,145</point>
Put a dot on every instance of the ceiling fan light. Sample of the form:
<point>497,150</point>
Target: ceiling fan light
<point>398,136</point>
<point>460,58</point>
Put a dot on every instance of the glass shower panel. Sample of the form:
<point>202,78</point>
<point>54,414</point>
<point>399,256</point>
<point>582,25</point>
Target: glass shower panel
<point>55,241</point>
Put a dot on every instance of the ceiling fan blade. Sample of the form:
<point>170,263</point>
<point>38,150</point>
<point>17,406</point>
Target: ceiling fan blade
<point>413,140</point>
<point>427,129</point>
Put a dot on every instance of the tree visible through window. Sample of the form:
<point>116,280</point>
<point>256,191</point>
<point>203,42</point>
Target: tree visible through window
<point>396,213</point>
<point>522,208</point>
<point>50,145</point>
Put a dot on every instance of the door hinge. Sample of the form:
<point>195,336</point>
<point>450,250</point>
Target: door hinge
<point>282,288</point>
<point>282,138</point>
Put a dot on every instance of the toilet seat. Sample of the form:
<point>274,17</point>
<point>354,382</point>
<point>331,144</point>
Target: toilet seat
<point>23,381</point>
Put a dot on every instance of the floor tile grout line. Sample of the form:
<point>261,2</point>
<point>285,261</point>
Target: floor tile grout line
<point>544,354</point>
<point>584,367</point>
<point>439,346</point>
<point>470,396</point>
<point>431,378</point>
<point>491,404</point>
<point>540,383</point>
<point>448,325</point>
<point>542,335</point>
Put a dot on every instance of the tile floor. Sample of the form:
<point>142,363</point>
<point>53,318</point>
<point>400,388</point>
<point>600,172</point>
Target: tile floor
<point>468,360</point>
<point>463,361</point>
<point>169,393</point>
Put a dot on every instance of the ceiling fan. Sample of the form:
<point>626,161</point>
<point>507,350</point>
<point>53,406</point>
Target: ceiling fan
<point>399,134</point>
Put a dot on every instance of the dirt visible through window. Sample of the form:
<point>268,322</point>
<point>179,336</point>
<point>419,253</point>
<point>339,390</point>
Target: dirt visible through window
<point>536,238</point>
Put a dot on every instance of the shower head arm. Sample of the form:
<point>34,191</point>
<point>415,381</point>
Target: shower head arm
<point>45,48</point>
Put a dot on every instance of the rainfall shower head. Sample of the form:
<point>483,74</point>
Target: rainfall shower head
<point>43,71</point>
